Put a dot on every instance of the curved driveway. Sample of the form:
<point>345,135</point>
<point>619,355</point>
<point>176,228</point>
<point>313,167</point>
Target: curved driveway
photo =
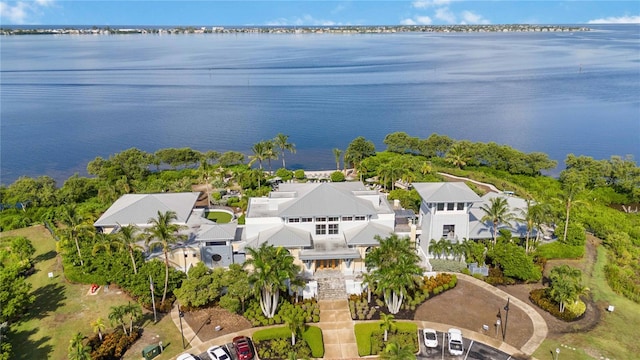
<point>339,338</point>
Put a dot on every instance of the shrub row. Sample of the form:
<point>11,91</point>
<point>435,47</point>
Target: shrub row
<point>309,308</point>
<point>113,346</point>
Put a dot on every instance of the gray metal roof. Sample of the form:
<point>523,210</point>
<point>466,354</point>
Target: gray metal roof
<point>439,192</point>
<point>284,236</point>
<point>212,232</point>
<point>326,199</point>
<point>480,230</point>
<point>365,234</point>
<point>139,208</point>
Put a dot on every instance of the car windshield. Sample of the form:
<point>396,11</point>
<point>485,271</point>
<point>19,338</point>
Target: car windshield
<point>430,336</point>
<point>455,345</point>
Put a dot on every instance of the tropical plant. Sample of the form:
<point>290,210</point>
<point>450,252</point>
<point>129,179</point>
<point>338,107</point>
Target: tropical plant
<point>282,142</point>
<point>259,153</point>
<point>458,155</point>
<point>497,212</point>
<point>164,234</point>
<point>271,267</point>
<point>387,323</point>
<point>98,327</point>
<point>128,237</point>
<point>295,321</point>
<point>566,285</point>
<point>395,351</point>
<point>336,154</point>
<point>117,315</point>
<point>77,349</point>
<point>75,226</point>
<point>534,215</point>
<point>134,310</point>
<point>394,269</point>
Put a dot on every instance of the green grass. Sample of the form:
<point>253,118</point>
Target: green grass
<point>614,337</point>
<point>220,217</point>
<point>62,309</point>
<point>364,332</point>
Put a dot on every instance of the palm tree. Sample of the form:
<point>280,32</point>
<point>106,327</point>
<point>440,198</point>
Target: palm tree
<point>387,323</point>
<point>295,322</point>
<point>163,234</point>
<point>336,154</point>
<point>259,153</point>
<point>566,285</point>
<point>497,212</point>
<point>116,317</point>
<point>270,152</point>
<point>426,168</point>
<point>78,350</point>
<point>128,236</point>
<point>104,242</point>
<point>135,312</point>
<point>533,215</point>
<point>76,226</point>
<point>282,142</point>
<point>458,155</point>
<point>271,268</point>
<point>395,351</point>
<point>98,327</point>
<point>394,269</point>
<point>435,248</point>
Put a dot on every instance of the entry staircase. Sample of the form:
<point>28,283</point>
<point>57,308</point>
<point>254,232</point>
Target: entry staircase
<point>331,285</point>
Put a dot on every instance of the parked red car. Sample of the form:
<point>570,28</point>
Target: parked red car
<point>243,347</point>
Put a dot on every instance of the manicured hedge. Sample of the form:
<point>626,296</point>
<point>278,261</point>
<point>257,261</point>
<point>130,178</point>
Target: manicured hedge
<point>369,336</point>
<point>313,336</point>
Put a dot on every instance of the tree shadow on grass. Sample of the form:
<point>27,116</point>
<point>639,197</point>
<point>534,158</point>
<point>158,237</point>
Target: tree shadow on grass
<point>49,298</point>
<point>25,348</point>
<point>46,256</point>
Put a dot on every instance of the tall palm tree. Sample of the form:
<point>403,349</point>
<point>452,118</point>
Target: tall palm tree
<point>128,236</point>
<point>116,317</point>
<point>271,267</point>
<point>134,310</point>
<point>387,323</point>
<point>336,154</point>
<point>270,152</point>
<point>533,216</point>
<point>282,142</point>
<point>78,350</point>
<point>259,151</point>
<point>395,351</point>
<point>75,226</point>
<point>394,268</point>
<point>164,234</point>
<point>498,212</point>
<point>98,327</point>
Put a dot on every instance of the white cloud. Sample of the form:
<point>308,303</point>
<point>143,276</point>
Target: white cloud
<point>22,12</point>
<point>305,20</point>
<point>416,20</point>
<point>445,15</point>
<point>617,20</point>
<point>423,4</point>
<point>469,17</point>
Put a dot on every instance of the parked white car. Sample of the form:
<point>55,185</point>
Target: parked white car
<point>455,342</point>
<point>217,353</point>
<point>187,357</point>
<point>430,338</point>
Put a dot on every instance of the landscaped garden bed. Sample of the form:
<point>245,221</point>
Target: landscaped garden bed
<point>275,343</point>
<point>309,308</point>
<point>363,309</point>
<point>370,336</point>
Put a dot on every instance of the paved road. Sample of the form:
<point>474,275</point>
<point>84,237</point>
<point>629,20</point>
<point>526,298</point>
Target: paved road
<point>472,350</point>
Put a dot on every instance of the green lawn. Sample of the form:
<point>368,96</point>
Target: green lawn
<point>220,217</point>
<point>62,309</point>
<point>613,338</point>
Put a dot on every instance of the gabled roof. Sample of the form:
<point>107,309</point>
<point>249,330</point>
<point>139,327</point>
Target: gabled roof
<point>326,199</point>
<point>440,192</point>
<point>480,230</point>
<point>284,236</point>
<point>365,234</point>
<point>139,208</point>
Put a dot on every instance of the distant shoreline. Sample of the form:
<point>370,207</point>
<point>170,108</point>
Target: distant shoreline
<point>176,30</point>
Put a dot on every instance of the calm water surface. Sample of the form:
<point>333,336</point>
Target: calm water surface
<point>68,99</point>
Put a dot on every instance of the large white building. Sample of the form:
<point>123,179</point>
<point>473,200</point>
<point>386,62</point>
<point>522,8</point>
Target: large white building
<point>324,225</point>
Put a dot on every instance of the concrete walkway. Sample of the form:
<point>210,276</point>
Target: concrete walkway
<point>340,340</point>
<point>490,186</point>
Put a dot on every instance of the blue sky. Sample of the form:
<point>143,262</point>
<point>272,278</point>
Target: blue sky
<point>315,12</point>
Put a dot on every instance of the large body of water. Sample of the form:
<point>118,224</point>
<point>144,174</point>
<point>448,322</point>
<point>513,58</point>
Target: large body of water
<point>68,99</point>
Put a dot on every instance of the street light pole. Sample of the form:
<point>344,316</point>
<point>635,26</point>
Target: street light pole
<point>180,316</point>
<point>557,353</point>
<point>506,319</point>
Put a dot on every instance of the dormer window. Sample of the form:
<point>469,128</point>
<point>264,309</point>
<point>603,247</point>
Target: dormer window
<point>440,206</point>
